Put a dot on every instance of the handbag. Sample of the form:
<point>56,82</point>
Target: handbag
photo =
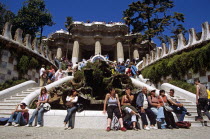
<point>69,104</point>
<point>46,106</point>
<point>166,106</point>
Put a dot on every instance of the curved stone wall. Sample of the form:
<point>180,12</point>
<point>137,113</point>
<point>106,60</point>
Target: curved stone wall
<point>162,52</point>
<point>20,46</point>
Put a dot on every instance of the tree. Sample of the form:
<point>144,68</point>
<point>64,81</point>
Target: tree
<point>69,23</point>
<point>5,16</point>
<point>32,17</point>
<point>69,27</point>
<point>152,18</point>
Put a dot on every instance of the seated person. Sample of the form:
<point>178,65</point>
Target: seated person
<point>143,109</point>
<point>39,111</point>
<point>113,107</point>
<point>20,116</point>
<point>169,118</point>
<point>127,107</point>
<point>157,109</point>
<point>177,107</point>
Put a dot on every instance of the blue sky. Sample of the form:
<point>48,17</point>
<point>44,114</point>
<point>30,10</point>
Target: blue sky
<point>196,12</point>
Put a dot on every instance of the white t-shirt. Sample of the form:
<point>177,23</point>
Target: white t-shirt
<point>41,72</point>
<point>145,103</point>
<point>68,98</point>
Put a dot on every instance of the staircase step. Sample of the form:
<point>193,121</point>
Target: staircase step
<point>8,103</point>
<point>13,100</point>
<point>7,106</point>
<point>18,97</point>
<point>3,111</point>
<point>21,95</point>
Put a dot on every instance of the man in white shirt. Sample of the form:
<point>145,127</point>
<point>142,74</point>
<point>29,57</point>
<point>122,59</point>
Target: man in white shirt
<point>42,76</point>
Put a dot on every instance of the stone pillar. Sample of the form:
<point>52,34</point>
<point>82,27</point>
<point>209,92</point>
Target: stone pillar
<point>120,52</point>
<point>75,52</point>
<point>59,54</point>
<point>97,47</point>
<point>135,53</point>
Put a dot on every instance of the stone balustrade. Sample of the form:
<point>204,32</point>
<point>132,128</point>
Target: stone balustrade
<point>162,52</point>
<point>26,44</point>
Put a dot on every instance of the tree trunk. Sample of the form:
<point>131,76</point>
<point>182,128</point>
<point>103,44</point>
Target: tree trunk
<point>40,41</point>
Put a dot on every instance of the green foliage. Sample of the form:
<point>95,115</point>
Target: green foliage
<point>23,64</point>
<point>33,64</point>
<point>152,17</point>
<point>5,16</point>
<point>32,17</point>
<point>179,65</point>
<point>184,85</point>
<point>10,83</point>
<point>69,23</point>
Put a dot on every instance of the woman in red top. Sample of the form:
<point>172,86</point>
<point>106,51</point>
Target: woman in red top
<point>169,118</point>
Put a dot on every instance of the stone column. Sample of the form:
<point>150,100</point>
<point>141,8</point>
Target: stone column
<point>120,53</point>
<point>75,52</point>
<point>97,47</point>
<point>135,53</point>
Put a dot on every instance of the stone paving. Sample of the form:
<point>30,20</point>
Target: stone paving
<point>60,133</point>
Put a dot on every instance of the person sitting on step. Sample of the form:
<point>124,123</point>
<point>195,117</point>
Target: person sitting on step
<point>20,116</point>
<point>127,101</point>
<point>71,101</point>
<point>39,111</point>
<point>113,107</point>
<point>143,109</point>
<point>169,118</point>
<point>177,107</point>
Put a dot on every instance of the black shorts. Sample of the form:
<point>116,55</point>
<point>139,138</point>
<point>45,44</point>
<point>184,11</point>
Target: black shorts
<point>115,110</point>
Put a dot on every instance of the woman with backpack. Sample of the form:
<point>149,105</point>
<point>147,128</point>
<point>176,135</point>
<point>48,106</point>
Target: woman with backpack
<point>112,100</point>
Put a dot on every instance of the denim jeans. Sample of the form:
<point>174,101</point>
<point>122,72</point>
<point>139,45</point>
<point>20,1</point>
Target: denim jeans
<point>180,110</point>
<point>38,113</point>
<point>68,118</point>
<point>159,112</point>
<point>18,118</point>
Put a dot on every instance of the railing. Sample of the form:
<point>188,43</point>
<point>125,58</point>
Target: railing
<point>25,44</point>
<point>162,52</point>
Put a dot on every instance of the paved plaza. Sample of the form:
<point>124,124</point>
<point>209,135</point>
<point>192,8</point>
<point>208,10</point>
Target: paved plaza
<point>60,133</point>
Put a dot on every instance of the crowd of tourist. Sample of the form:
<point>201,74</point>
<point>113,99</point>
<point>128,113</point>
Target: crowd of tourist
<point>132,108</point>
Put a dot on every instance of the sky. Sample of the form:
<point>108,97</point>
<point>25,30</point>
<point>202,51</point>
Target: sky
<point>196,11</point>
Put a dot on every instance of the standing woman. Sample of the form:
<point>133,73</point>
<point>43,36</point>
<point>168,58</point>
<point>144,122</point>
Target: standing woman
<point>112,100</point>
<point>71,101</point>
<point>39,111</point>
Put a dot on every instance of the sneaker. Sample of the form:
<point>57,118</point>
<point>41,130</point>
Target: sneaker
<point>38,126</point>
<point>69,128</point>
<point>28,125</point>
<point>135,129</point>
<point>153,127</point>
<point>146,128</point>
<point>170,127</point>
<point>108,129</point>
<point>123,129</point>
<point>188,114</point>
<point>8,124</point>
<point>16,125</point>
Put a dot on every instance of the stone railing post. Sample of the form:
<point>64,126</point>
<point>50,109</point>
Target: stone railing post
<point>7,30</point>
<point>27,41</point>
<point>18,36</point>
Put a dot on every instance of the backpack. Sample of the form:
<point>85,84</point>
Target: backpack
<point>183,124</point>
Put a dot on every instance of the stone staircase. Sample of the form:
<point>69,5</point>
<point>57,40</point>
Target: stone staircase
<point>191,108</point>
<point>8,104</point>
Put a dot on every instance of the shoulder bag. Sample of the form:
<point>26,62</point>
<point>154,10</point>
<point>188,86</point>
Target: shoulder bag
<point>166,106</point>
